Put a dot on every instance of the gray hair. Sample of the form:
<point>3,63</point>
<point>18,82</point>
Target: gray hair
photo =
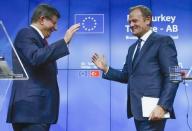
<point>44,10</point>
<point>146,12</point>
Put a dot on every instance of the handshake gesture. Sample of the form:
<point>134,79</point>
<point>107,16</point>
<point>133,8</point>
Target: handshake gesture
<point>100,62</point>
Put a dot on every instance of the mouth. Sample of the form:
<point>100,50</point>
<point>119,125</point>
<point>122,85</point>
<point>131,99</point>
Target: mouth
<point>133,29</point>
<point>49,31</point>
<point>52,30</point>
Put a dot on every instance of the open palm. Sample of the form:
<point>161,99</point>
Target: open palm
<point>100,62</point>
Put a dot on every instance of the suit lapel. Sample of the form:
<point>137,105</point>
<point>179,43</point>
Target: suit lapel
<point>130,55</point>
<point>144,49</point>
<point>40,39</point>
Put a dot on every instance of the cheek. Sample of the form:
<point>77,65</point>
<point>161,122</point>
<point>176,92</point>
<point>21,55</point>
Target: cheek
<point>47,25</point>
<point>137,25</point>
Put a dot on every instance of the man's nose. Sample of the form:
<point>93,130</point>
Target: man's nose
<point>131,24</point>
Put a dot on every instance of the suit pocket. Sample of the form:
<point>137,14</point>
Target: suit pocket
<point>39,99</point>
<point>36,92</point>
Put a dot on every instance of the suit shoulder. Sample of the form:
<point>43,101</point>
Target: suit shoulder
<point>162,37</point>
<point>25,31</point>
<point>24,34</point>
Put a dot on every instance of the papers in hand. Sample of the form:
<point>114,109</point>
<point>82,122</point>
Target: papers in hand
<point>148,104</point>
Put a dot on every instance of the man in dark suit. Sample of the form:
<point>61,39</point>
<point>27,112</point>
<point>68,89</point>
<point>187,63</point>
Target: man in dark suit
<point>34,103</point>
<point>146,71</point>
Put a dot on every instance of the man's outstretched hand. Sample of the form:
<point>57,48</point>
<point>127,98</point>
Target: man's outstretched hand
<point>70,32</point>
<point>100,62</point>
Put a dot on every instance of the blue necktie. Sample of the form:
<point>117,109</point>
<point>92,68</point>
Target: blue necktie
<point>137,50</point>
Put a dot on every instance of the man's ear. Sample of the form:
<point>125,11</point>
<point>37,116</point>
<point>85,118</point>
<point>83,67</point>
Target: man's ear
<point>41,20</point>
<point>148,20</point>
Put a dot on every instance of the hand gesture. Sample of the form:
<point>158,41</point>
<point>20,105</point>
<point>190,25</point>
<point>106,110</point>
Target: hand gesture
<point>100,62</point>
<point>70,32</point>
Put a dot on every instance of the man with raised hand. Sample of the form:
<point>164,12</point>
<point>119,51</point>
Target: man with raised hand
<point>34,103</point>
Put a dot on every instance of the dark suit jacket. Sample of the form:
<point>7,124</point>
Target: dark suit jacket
<point>36,100</point>
<point>149,76</point>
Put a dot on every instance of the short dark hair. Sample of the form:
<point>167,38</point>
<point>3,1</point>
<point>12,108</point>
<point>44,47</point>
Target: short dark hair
<point>146,12</point>
<point>44,10</point>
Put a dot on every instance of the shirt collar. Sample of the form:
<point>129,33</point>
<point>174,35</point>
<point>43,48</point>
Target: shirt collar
<point>40,33</point>
<point>146,35</point>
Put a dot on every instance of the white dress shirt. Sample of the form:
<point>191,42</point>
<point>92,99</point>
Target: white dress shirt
<point>144,39</point>
<point>40,33</point>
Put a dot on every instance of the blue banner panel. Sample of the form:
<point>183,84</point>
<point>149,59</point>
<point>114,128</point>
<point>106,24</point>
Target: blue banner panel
<point>93,35</point>
<point>5,91</point>
<point>119,120</point>
<point>88,101</point>
<point>62,121</point>
<point>14,15</point>
<point>90,23</point>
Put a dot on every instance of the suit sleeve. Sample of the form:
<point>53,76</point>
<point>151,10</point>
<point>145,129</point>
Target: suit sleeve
<point>117,75</point>
<point>167,58</point>
<point>26,45</point>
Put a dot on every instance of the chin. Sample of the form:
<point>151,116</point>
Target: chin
<point>47,35</point>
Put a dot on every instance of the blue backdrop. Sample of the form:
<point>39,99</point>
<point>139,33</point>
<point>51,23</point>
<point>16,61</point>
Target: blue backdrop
<point>89,103</point>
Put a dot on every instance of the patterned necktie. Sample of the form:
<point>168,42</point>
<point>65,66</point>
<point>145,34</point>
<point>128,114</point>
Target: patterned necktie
<point>137,50</point>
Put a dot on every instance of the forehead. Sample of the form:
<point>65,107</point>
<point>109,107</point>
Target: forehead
<point>136,13</point>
